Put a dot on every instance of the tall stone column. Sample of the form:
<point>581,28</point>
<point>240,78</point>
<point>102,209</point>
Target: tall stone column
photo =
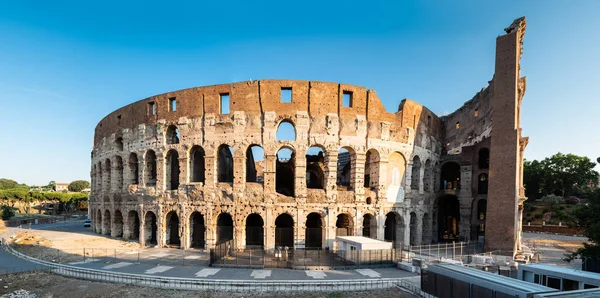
<point>141,170</point>
<point>142,232</point>
<point>239,169</point>
<point>210,174</point>
<point>184,177</point>
<point>422,179</point>
<point>465,199</point>
<point>160,172</point>
<point>269,173</point>
<point>408,178</point>
<point>331,159</point>
<point>300,191</point>
<point>358,175</point>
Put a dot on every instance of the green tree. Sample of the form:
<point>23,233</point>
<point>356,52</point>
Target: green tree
<point>78,185</point>
<point>51,186</point>
<point>7,212</point>
<point>561,174</point>
<point>8,184</point>
<point>586,216</point>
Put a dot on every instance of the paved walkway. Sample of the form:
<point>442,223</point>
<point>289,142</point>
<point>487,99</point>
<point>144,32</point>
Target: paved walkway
<point>10,263</point>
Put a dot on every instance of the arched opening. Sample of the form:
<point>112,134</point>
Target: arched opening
<point>99,182</point>
<point>450,178</point>
<point>225,164</point>
<point>172,170</point>
<point>98,222</point>
<point>172,136</point>
<point>224,228</point>
<point>285,131</point>
<point>285,172</point>
<point>198,230</point>
<point>371,169</point>
<point>255,160</point>
<point>482,184</point>
<point>133,168</point>
<point>481,215</point>
<point>344,168</point>
<point>369,226</point>
<point>344,225</point>
<point>415,178</point>
<point>150,168</point>
<point>106,222</point>
<point>426,229</point>
<point>394,229</point>
<point>448,218</point>
<point>172,231</point>
<point>107,172</point>
<point>254,231</point>
<point>396,169</point>
<point>369,201</point>
<point>314,231</point>
<point>284,231</point>
<point>413,228</point>
<point>197,164</point>
<point>315,168</point>
<point>150,228</point>
<point>133,221</point>
<point>484,158</point>
<point>428,176</point>
<point>119,177</point>
<point>119,143</point>
<point>118,224</point>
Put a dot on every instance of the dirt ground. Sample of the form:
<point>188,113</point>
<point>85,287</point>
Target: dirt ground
<point>45,284</point>
<point>2,226</point>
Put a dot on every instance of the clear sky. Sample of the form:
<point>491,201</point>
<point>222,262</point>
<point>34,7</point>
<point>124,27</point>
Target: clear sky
<point>65,65</point>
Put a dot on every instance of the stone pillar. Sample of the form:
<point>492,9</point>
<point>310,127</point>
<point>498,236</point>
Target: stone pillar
<point>406,236</point>
<point>210,174</point>
<point>465,199</point>
<point>358,175</point>
<point>408,178</point>
<point>380,217</point>
<point>331,160</point>
<point>184,177</point>
<point>269,173</point>
<point>422,179</point>
<point>142,232</point>
<point>141,170</point>
<point>419,227</point>
<point>160,173</point>
<point>330,229</point>
<point>269,226</point>
<point>300,175</point>
<point>239,169</point>
<point>160,227</point>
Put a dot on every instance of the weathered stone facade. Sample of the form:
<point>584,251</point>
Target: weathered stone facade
<point>180,168</point>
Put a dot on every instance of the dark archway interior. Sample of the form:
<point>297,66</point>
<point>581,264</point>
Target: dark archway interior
<point>118,224</point>
<point>133,168</point>
<point>344,225</point>
<point>172,135</point>
<point>134,222</point>
<point>367,222</point>
<point>481,215</point>
<point>285,175</point>
<point>413,228</point>
<point>315,163</point>
<point>151,168</point>
<point>197,164</point>
<point>344,168</point>
<point>173,229</point>
<point>198,230</point>
<point>314,231</point>
<point>284,231</point>
<point>173,163</point>
<point>150,228</point>
<point>224,228</point>
<point>390,227</point>
<point>448,218</point>
<point>484,158</point>
<point>225,164</point>
<point>450,178</point>
<point>482,184</point>
<point>254,230</point>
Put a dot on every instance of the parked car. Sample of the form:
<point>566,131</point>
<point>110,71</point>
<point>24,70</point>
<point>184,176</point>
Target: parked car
<point>87,223</point>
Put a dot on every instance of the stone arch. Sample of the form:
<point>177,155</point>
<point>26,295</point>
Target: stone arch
<point>224,228</point>
<point>119,178</point>
<point>426,229</point>
<point>197,230</point>
<point>150,228</point>
<point>172,229</point>
<point>415,179</point>
<point>286,131</point>
<point>255,164</point>
<point>413,229</point>
<point>314,230</point>
<point>118,224</point>
<point>344,225</point>
<point>172,165</point>
<point>482,184</point>
<point>106,223</point>
<point>99,181</point>
<point>396,169</point>
<point>150,161</point>
<point>372,160</point>
<point>172,135</point>
<point>450,176</point>
<point>133,222</point>
<point>255,231</point>
<point>284,230</point>
<point>346,167</point>
<point>315,167</point>
<point>197,164</point>
<point>481,216</point>
<point>225,163</point>
<point>285,171</point>
<point>108,172</point>
<point>369,226</point>
<point>448,218</point>
<point>98,222</point>
<point>394,228</point>
<point>134,168</point>
<point>119,143</point>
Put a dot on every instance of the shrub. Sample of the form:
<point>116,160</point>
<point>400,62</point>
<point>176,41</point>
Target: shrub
<point>551,200</point>
<point>546,210</point>
<point>7,212</point>
<point>538,216</point>
<point>528,214</point>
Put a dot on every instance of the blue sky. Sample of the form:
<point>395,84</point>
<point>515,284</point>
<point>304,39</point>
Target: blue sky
<point>64,65</point>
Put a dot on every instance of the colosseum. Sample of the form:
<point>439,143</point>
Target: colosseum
<point>296,163</point>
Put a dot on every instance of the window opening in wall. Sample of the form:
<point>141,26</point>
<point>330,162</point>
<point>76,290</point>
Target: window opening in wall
<point>416,173</point>
<point>255,164</point>
<point>197,164</point>
<point>347,99</point>
<point>172,135</point>
<point>371,169</point>
<point>151,108</point>
<point>450,176</point>
<point>344,168</point>
<point>224,103</point>
<point>315,168</point>
<point>448,218</point>
<point>314,231</point>
<point>133,168</point>
<point>286,95</point>
<point>484,158</point>
<point>413,228</point>
<point>428,120</point>
<point>254,231</point>
<point>119,143</point>
<point>482,187</point>
<point>285,131</point>
<point>344,225</point>
<point>172,170</point>
<point>198,230</point>
<point>150,168</point>
<point>457,125</point>
<point>172,104</point>
<point>284,231</point>
<point>476,113</point>
<point>369,226</point>
<point>225,164</point>
<point>119,119</point>
<point>285,172</point>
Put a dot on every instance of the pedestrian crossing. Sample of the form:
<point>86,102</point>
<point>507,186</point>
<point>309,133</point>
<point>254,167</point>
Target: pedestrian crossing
<point>158,269</point>
<point>117,265</point>
<point>207,272</point>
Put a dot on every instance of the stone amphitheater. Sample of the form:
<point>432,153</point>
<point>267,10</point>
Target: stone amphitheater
<point>296,163</point>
